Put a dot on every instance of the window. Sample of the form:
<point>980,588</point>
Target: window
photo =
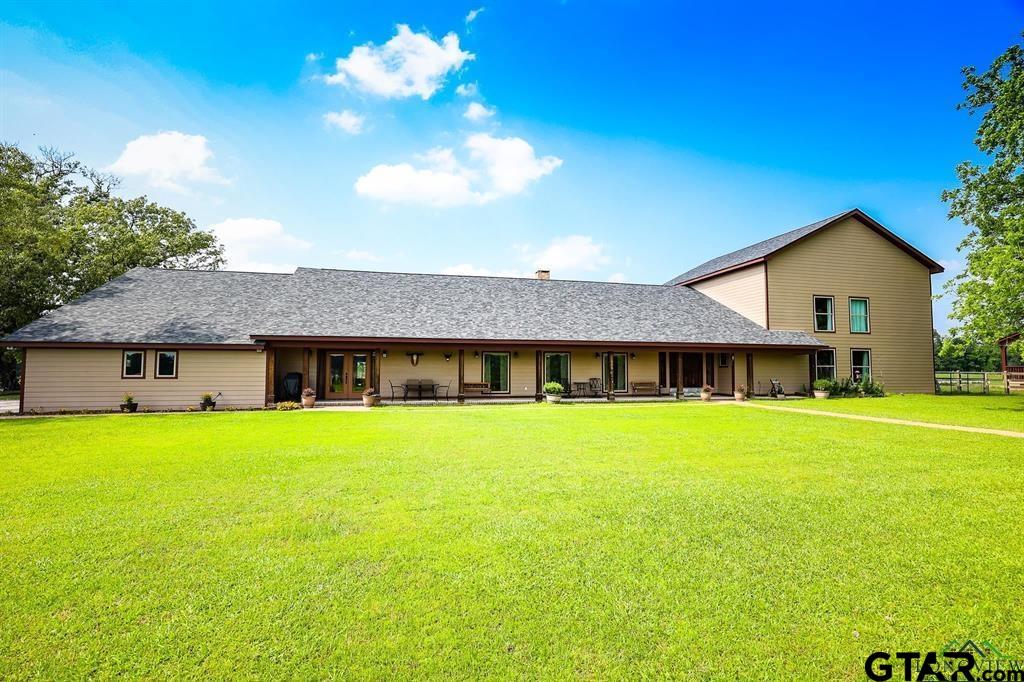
<point>825,364</point>
<point>556,368</point>
<point>495,371</point>
<point>860,364</point>
<point>723,359</point>
<point>133,364</point>
<point>824,318</point>
<point>860,321</point>
<point>619,371</point>
<point>166,364</point>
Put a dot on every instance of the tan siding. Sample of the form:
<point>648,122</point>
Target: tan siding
<point>741,290</point>
<point>789,368</point>
<point>78,379</point>
<point>847,260</point>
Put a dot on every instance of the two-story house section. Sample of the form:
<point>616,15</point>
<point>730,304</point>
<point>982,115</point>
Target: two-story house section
<point>847,280</point>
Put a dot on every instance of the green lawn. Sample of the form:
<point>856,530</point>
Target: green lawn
<point>9,396</point>
<point>534,541</point>
<point>988,411</point>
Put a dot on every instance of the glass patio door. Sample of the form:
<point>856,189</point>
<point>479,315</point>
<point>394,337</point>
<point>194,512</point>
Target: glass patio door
<point>348,374</point>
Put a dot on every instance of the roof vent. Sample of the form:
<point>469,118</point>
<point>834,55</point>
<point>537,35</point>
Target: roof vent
<point>542,274</point>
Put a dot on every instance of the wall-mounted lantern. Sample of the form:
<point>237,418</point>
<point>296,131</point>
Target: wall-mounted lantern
<point>476,354</point>
<point>384,353</point>
<point>447,357</point>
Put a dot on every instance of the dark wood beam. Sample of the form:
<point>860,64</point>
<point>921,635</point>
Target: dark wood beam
<point>271,369</point>
<point>462,375</point>
<point>540,377</point>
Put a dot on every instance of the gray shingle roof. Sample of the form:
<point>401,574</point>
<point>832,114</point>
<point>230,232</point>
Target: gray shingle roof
<point>760,250</point>
<point>754,251</point>
<point>189,307</point>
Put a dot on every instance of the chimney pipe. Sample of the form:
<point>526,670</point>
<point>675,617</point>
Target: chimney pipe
<point>543,274</point>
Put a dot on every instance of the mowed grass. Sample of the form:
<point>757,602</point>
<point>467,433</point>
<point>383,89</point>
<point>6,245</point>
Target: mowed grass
<point>1004,412</point>
<point>600,542</point>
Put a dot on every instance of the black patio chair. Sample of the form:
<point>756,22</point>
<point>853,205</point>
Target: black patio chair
<point>596,387</point>
<point>776,390</point>
<point>438,388</point>
<point>400,388</point>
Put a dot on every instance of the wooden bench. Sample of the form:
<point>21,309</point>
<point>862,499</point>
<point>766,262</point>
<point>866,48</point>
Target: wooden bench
<point>645,387</point>
<point>479,387</point>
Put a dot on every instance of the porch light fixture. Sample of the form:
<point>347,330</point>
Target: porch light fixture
<point>447,357</point>
<point>632,356</point>
<point>384,354</point>
<point>515,354</point>
<point>597,355</point>
<point>476,354</point>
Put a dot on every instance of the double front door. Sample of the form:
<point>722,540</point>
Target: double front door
<point>347,373</point>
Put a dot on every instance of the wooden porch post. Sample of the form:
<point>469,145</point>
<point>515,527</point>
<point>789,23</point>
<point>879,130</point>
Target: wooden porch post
<point>271,353</point>
<point>679,376</point>
<point>608,390</point>
<point>703,370</point>
<point>305,370</point>
<point>750,373</point>
<point>21,386</point>
<point>539,396</point>
<point>732,365</point>
<point>378,360</point>
<point>812,370</point>
<point>462,376</point>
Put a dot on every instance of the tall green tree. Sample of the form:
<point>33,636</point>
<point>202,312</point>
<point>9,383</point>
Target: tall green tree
<point>63,232</point>
<point>989,293</point>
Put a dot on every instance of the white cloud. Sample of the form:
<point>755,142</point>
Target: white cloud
<point>468,269</point>
<point>314,56</point>
<point>617,277</point>
<point>467,89</point>
<point>254,243</point>
<point>503,166</point>
<point>473,14</point>
<point>402,183</point>
<point>510,162</point>
<point>349,121</point>
<point>575,253</point>
<point>168,159</point>
<point>478,112</point>
<point>409,64</point>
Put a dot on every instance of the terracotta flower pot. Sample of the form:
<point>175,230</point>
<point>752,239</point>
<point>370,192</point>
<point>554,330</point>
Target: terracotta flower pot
<point>740,396</point>
<point>371,400</point>
<point>308,402</point>
<point>705,396</point>
<point>552,398</point>
<point>821,395</point>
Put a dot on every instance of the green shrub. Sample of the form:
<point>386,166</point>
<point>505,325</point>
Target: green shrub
<point>825,385</point>
<point>870,389</point>
<point>553,388</point>
<point>286,405</point>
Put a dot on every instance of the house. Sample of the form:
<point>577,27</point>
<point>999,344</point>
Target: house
<point>840,297</point>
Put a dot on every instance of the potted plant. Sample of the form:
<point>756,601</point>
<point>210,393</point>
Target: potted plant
<point>553,392</point>
<point>208,402</point>
<point>705,392</point>
<point>740,393</point>
<point>308,398</point>
<point>371,397</point>
<point>822,388</point>
<point>128,403</point>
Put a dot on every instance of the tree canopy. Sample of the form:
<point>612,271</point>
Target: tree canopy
<point>989,293</point>
<point>63,232</point>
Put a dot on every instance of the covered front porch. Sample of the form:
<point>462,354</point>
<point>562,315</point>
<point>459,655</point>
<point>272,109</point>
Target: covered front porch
<point>439,372</point>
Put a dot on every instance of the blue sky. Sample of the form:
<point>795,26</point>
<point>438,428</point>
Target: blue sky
<point>619,140</point>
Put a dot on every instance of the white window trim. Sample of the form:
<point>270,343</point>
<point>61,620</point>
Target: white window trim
<point>508,365</point>
<point>568,365</point>
<point>604,369</point>
<point>156,365</point>
<point>124,365</point>
<point>870,365</point>
<point>831,313</point>
<point>867,313</point>
<point>818,365</point>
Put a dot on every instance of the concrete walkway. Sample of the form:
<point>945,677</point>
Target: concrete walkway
<point>887,420</point>
<point>8,406</point>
